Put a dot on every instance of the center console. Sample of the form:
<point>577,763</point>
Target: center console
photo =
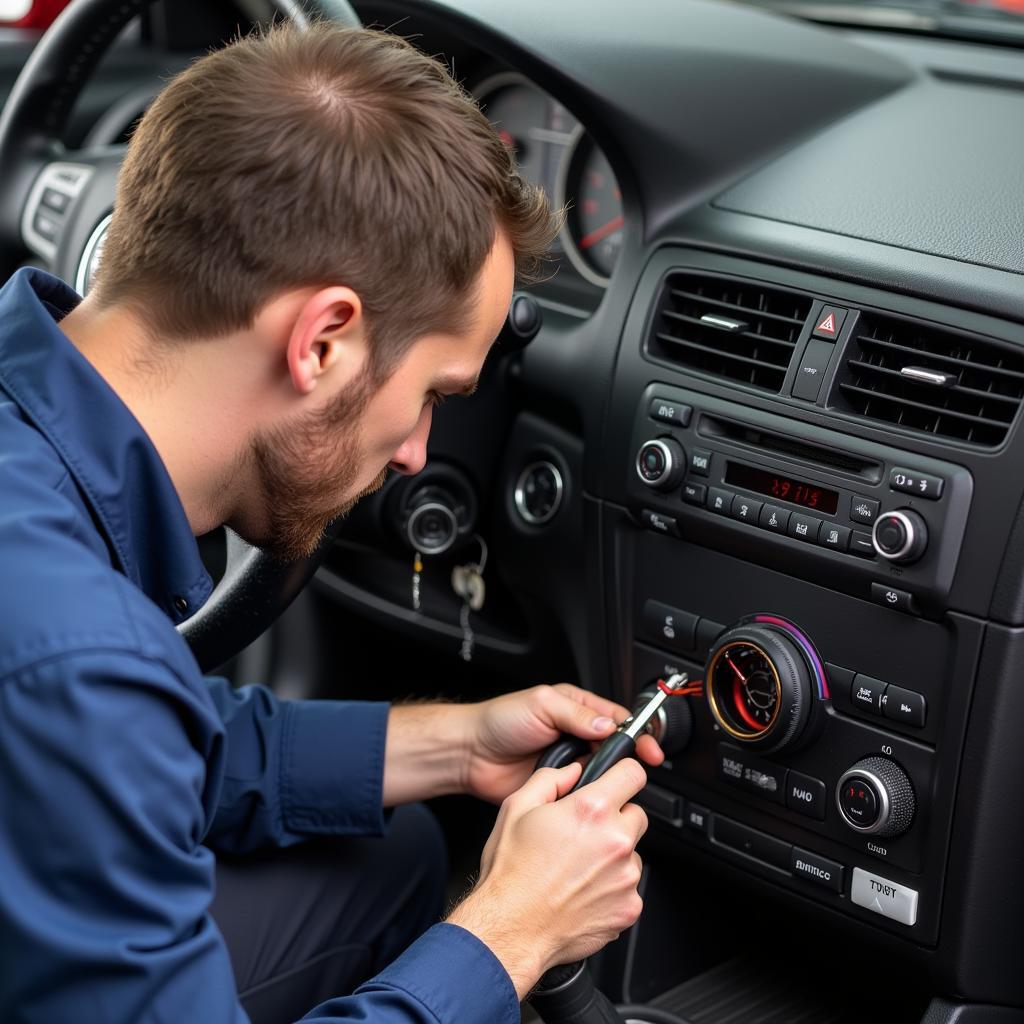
<point>807,505</point>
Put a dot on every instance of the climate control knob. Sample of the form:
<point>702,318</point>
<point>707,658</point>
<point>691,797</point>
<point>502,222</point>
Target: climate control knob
<point>900,536</point>
<point>875,797</point>
<point>759,687</point>
<point>661,463</point>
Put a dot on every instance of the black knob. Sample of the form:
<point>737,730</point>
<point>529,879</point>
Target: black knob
<point>672,724</point>
<point>523,322</point>
<point>900,536</point>
<point>432,526</point>
<point>759,687</point>
<point>661,463</point>
<point>567,995</point>
<point>875,797</point>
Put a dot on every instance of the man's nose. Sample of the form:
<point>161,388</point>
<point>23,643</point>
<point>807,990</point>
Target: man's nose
<point>411,455</point>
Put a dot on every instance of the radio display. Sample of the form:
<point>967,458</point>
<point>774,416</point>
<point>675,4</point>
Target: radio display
<point>785,488</point>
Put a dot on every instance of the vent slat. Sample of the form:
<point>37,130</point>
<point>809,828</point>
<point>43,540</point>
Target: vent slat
<point>696,321</point>
<point>722,304</point>
<point>979,409</point>
<point>967,417</point>
<point>683,343</point>
<point>946,360</point>
<point>757,357</point>
<point>958,389</point>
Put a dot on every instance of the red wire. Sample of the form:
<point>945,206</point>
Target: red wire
<point>689,690</point>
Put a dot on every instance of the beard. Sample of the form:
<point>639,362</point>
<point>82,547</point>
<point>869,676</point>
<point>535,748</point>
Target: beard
<point>305,474</point>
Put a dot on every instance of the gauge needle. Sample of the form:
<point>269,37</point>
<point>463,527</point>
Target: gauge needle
<point>742,677</point>
<point>604,231</point>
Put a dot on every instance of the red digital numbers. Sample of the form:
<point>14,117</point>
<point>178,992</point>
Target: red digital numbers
<point>790,490</point>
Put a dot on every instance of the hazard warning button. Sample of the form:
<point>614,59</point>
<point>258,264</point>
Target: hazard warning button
<point>829,323</point>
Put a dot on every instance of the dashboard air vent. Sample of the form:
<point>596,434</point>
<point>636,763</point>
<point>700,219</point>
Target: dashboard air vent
<point>727,327</point>
<point>939,382</point>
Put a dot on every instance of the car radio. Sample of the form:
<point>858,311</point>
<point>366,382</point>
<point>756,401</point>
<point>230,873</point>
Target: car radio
<point>879,522</point>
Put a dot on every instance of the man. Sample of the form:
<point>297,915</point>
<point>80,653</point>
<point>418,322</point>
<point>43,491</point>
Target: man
<point>314,240</point>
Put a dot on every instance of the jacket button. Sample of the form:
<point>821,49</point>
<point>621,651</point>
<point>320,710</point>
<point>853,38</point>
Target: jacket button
<point>180,605</point>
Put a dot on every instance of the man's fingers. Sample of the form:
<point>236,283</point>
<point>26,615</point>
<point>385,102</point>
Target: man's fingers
<point>636,818</point>
<point>599,706</point>
<point>544,786</point>
<point>617,786</point>
<point>581,719</point>
<point>648,751</point>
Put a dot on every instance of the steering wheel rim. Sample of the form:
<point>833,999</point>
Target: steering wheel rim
<point>255,588</point>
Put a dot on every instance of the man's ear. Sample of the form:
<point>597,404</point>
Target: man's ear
<point>327,334</point>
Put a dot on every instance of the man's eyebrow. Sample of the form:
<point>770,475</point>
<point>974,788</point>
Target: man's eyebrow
<point>457,386</point>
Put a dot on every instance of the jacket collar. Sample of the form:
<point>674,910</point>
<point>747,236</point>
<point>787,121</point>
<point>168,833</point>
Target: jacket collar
<point>118,471</point>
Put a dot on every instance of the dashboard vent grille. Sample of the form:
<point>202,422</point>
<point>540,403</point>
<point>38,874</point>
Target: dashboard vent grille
<point>726,327</point>
<point>939,382</point>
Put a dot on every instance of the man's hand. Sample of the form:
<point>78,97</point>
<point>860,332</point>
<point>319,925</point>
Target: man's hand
<point>558,879</point>
<point>507,734</point>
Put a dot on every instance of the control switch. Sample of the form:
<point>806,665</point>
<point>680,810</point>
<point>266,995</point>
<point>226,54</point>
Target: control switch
<point>884,896</point>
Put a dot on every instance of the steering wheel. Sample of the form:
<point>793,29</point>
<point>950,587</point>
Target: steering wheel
<point>255,589</point>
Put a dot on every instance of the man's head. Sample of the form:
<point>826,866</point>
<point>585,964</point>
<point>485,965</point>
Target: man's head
<point>338,197</point>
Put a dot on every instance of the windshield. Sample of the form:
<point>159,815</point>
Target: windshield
<point>996,20</point>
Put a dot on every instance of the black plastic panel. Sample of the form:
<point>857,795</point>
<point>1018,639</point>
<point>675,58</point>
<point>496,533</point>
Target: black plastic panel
<point>933,168</point>
<point>998,485</point>
<point>936,659</point>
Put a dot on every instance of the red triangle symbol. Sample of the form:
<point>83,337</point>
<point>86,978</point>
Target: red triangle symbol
<point>828,324</point>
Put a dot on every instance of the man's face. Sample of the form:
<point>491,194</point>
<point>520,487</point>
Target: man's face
<point>318,468</point>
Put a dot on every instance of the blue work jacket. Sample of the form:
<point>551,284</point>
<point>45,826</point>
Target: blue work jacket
<point>122,769</point>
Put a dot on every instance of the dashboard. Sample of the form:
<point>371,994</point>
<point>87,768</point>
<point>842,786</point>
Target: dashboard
<point>764,429</point>
<point>780,407</point>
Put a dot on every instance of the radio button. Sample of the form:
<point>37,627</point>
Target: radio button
<point>904,706</point>
<point>901,600</point>
<point>813,868</point>
<point>863,510</point>
<point>669,627</point>
<point>665,411</point>
<point>659,523</point>
<point>805,795</point>
<point>774,519</point>
<point>922,484</point>
<point>698,818</point>
<point>720,500</point>
<point>746,509</point>
<point>862,544</point>
<point>884,896</point>
<point>700,462</point>
<point>754,844</point>
<point>867,693</point>
<point>835,537</point>
<point>804,527</point>
<point>811,371</point>
<point>695,494</point>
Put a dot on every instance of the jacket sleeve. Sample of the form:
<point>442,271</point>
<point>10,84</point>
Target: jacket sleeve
<point>296,769</point>
<point>105,885</point>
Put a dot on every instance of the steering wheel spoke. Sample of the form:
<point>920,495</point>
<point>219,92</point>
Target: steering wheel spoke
<point>54,192</point>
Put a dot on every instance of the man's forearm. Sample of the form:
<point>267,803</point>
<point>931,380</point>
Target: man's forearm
<point>427,751</point>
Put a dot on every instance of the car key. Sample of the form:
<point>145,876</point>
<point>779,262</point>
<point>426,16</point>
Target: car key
<point>622,743</point>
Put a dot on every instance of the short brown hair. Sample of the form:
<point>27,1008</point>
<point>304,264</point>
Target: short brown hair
<point>325,156</point>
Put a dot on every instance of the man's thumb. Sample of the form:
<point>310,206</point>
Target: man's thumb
<point>545,786</point>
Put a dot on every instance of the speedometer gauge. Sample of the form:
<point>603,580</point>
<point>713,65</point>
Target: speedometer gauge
<point>592,236</point>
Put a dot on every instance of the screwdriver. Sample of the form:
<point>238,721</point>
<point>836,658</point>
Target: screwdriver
<point>622,742</point>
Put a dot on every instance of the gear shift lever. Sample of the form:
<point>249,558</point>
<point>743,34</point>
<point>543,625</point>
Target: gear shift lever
<point>567,994</point>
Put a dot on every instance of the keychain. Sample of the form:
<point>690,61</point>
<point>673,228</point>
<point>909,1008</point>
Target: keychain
<point>468,583</point>
<point>417,569</point>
